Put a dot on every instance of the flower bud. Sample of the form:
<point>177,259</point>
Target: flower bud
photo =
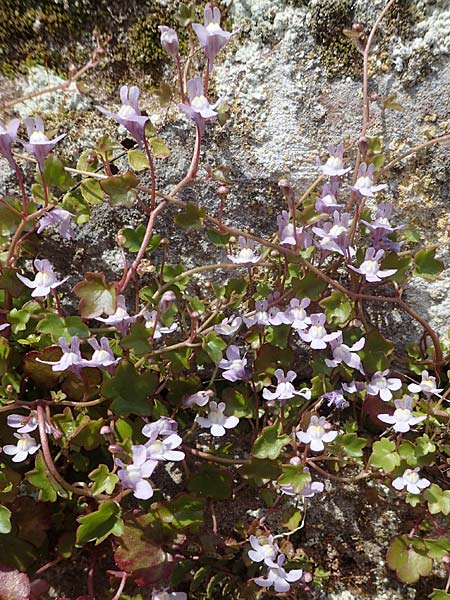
<point>223,191</point>
<point>363,144</point>
<point>169,40</point>
<point>286,190</point>
<point>167,299</point>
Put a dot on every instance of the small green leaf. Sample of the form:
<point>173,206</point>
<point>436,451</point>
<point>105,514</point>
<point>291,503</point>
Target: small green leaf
<point>129,391</point>
<point>138,160</point>
<point>138,340</point>
<point>294,476</point>
<point>185,15</point>
<point>219,239</point>
<point>291,517</point>
<point>159,148</point>
<point>337,308</point>
<point>260,471</point>
<point>118,188</point>
<point>55,175</point>
<point>212,482</point>
<point>96,296</point>
<point>214,346</point>
<point>103,480</point>
<point>91,191</point>
<point>439,595</point>
<point>67,327</point>
<point>98,525</point>
<point>270,442</point>
<point>41,479</point>
<point>384,456</point>
<point>310,285</point>
<point>376,351</point>
<point>88,161</point>
<point>18,319</point>
<point>191,217</point>
<point>185,511</point>
<point>390,102</point>
<point>349,444</point>
<point>407,556</point>
<point>75,203</point>
<point>438,500</point>
<point>5,520</point>
<point>427,266</point>
<point>135,237</point>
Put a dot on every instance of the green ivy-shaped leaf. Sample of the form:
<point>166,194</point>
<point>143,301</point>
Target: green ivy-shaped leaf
<point>218,239</point>
<point>376,351</point>
<point>261,470</point>
<point>98,525</point>
<point>118,188</point>
<point>92,191</point>
<point>384,455</point>
<point>138,340</point>
<point>349,444</point>
<point>438,500</point>
<point>5,519</point>
<point>159,148</point>
<point>439,595</point>
<point>129,391</point>
<point>55,174</point>
<point>48,487</point>
<point>294,476</point>
<point>135,236</point>
<point>427,266</point>
<point>96,296</point>
<point>408,557</point>
<point>191,217</point>
<point>270,442</point>
<point>56,326</point>
<point>137,160</point>
<point>337,308</point>
<point>310,285</point>
<point>103,480</point>
<point>214,346</point>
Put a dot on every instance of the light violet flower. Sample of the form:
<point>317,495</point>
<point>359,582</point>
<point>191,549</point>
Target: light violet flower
<point>357,386</point>
<point>164,449</point>
<point>317,434</point>
<point>121,320</point>
<point>199,398</point>
<point>246,253</point>
<point>334,236</point>
<point>103,356</point>
<point>26,446</point>
<point>169,40</point>
<point>129,115</point>
<point>261,316</point>
<point>310,489</point>
<point>335,399</point>
<point>152,322</point>
<point>134,476</point>
<point>263,549</point>
<point>234,365</point>
<point>286,233</point>
<point>316,336</point>
<point>382,386</point>
<point>163,427</point>
<point>297,313</point>
<point>371,268</point>
<point>364,184</point>
<point>327,203</point>
<point>346,354</point>
<point>285,390</point>
<point>38,144</point>
<point>427,385</point>
<point>216,421</point>
<point>45,279</point>
<point>164,595</point>
<point>199,109</point>
<point>278,577</point>
<point>334,166</point>
<point>278,316</point>
<point>411,480</point>
<point>4,326</point>
<point>59,218</point>
<point>229,326</point>
<point>70,360</point>
<point>26,423</point>
<point>384,210</point>
<point>8,135</point>
<point>403,418</point>
<point>210,35</point>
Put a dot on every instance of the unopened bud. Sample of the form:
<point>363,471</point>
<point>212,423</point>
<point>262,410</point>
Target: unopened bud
<point>274,253</point>
<point>446,559</point>
<point>374,96</point>
<point>232,239</point>
<point>167,299</point>
<point>120,238</point>
<point>114,449</point>
<point>363,144</point>
<point>307,577</point>
<point>223,191</point>
<point>169,40</point>
<point>92,158</point>
<point>357,27</point>
<point>105,430</point>
<point>286,190</point>
<point>9,389</point>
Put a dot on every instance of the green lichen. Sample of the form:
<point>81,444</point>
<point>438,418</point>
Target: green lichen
<point>337,52</point>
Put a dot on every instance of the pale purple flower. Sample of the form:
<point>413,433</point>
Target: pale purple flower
<point>129,115</point>
<point>334,236</point>
<point>356,386</point>
<point>163,427</point>
<point>45,279</point>
<point>169,40</point>
<point>261,316</point>
<point>427,385</point>
<point>310,489</point>
<point>371,268</point>
<point>216,421</point>
<point>103,356</point>
<point>317,433</point>
<point>278,316</point>
<point>334,167</point>
<point>164,595</point>
<point>133,476</point>
<point>210,35</point>
<point>411,480</point>
<point>263,549</point>
<point>316,336</point>
<point>199,398</point>
<point>335,399</point>
<point>4,326</point>
<point>120,319</point>
<point>278,577</point>
<point>229,326</point>
<point>297,313</point>
<point>381,222</point>
<point>38,144</point>
<point>166,301</point>
<point>152,322</point>
<point>327,202</point>
<point>70,360</point>
<point>285,390</point>
<point>346,354</point>
<point>199,109</point>
<point>403,418</point>
<point>26,423</point>
<point>8,135</point>
<point>246,253</point>
<point>59,218</point>
<point>364,184</point>
<point>26,446</point>
<point>382,386</point>
<point>234,365</point>
<point>286,234</point>
<point>164,449</point>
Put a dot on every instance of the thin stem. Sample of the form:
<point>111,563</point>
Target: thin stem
<point>124,577</point>
<point>180,79</point>
<point>363,475</point>
<point>152,174</point>
<point>194,164</point>
<point>413,150</point>
<point>218,459</point>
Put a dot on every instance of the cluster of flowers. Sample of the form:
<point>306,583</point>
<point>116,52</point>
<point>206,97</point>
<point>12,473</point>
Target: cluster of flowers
<point>160,447</point>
